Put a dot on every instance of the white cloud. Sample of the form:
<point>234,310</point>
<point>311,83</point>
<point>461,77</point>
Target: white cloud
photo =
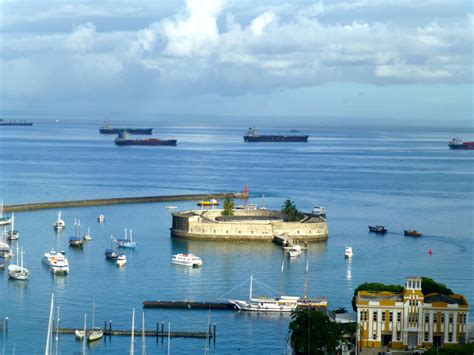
<point>82,38</point>
<point>260,22</point>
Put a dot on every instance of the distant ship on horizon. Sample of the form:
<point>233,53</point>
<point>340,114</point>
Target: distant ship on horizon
<point>124,139</point>
<point>252,135</point>
<point>14,123</point>
<point>107,128</point>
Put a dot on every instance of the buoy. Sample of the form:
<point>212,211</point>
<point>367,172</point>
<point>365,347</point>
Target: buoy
<point>430,252</point>
<point>246,191</point>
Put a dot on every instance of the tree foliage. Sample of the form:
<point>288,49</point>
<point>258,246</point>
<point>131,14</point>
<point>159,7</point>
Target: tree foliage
<point>431,286</point>
<point>458,349</point>
<point>228,207</point>
<point>312,332</point>
<point>291,212</point>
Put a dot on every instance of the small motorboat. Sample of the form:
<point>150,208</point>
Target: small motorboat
<point>111,254</point>
<point>59,224</point>
<point>294,251</point>
<point>121,260</point>
<point>101,218</point>
<point>211,202</point>
<point>171,207</point>
<point>378,229</point>
<point>348,251</point>
<point>186,260</point>
<point>80,334</point>
<point>88,235</point>
<point>412,233</point>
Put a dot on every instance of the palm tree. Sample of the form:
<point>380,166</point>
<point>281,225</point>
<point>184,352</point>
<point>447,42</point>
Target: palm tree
<point>228,207</point>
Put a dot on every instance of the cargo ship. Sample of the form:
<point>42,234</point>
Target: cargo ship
<point>107,128</point>
<point>252,135</point>
<point>457,143</point>
<point>14,123</point>
<point>124,139</point>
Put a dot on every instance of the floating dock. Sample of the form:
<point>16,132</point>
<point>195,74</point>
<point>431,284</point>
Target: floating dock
<point>189,305</point>
<point>122,200</point>
<point>148,333</point>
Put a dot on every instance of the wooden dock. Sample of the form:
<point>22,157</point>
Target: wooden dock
<point>122,200</point>
<point>189,305</point>
<point>148,333</point>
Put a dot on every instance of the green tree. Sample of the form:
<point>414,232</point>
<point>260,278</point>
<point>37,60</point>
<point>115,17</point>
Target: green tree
<point>431,286</point>
<point>312,332</point>
<point>290,211</point>
<point>458,349</point>
<point>228,207</point>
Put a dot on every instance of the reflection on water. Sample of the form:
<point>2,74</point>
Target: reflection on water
<point>349,269</point>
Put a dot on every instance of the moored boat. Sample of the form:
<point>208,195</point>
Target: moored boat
<point>211,202</point>
<point>412,233</point>
<point>378,229</point>
<point>252,136</point>
<point>186,260</point>
<point>127,242</point>
<point>4,220</point>
<point>13,234</point>
<point>57,261</point>
<point>348,251</point>
<point>457,143</point>
<point>5,251</point>
<point>107,128</point>
<point>294,251</point>
<point>124,139</point>
<point>18,272</point>
<point>101,218</point>
<point>59,224</point>
<point>76,240</point>
<point>121,260</point>
<point>88,235</point>
<point>95,334</point>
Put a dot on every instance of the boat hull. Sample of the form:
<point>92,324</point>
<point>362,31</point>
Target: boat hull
<point>275,138</point>
<point>250,307</point>
<point>95,335</point>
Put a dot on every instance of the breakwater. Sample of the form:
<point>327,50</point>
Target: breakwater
<point>121,200</point>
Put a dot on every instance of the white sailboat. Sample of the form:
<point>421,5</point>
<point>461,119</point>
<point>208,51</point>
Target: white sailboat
<point>127,242</point>
<point>18,272</point>
<point>4,220</point>
<point>13,234</point>
<point>96,333</point>
<point>88,235</point>
<point>5,251</point>
<point>59,224</point>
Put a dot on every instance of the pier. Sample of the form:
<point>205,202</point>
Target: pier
<point>122,200</point>
<point>189,305</point>
<point>149,333</point>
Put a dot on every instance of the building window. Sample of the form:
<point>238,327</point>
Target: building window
<point>361,315</point>
<point>383,316</point>
<point>375,316</point>
<point>390,316</point>
<point>450,337</point>
<point>450,318</point>
<point>416,303</point>
<point>374,336</point>
<point>426,336</point>
<point>365,315</point>
<point>399,335</point>
<point>427,318</point>
<point>399,316</point>
<point>442,318</point>
<point>435,318</point>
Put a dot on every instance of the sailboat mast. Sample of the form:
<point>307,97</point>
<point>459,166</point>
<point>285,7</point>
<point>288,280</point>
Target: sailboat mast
<point>50,325</point>
<point>169,338</point>
<point>18,255</point>
<point>251,284</point>
<point>85,334</point>
<point>130,232</point>
<point>126,236</point>
<point>13,223</point>
<point>132,338</point>
<point>21,265</point>
<point>93,314</point>
<point>57,333</point>
<point>306,281</point>
<point>143,334</point>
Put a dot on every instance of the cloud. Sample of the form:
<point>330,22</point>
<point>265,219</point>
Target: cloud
<point>81,38</point>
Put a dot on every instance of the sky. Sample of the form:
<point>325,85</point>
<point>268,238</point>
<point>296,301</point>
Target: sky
<point>392,59</point>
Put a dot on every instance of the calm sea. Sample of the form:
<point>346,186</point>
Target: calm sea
<point>403,178</point>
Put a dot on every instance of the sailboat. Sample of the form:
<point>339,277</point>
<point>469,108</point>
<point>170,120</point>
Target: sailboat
<point>59,224</point>
<point>126,243</point>
<point>76,240</point>
<point>80,334</point>
<point>88,235</point>
<point>13,234</point>
<point>96,333</point>
<point>18,272</point>
<point>266,304</point>
<point>110,253</point>
<point>4,220</point>
<point>5,251</point>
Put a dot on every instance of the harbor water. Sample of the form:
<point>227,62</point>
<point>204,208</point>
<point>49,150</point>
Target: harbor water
<point>394,176</point>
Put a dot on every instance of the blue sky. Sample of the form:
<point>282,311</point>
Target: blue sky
<point>363,59</point>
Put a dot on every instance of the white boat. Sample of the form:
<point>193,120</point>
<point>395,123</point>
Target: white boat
<point>96,333</point>
<point>88,235</point>
<point>294,251</point>
<point>57,262</point>
<point>4,220</point>
<point>121,260</point>
<point>101,218</point>
<point>59,224</point>
<point>18,272</point>
<point>5,251</point>
<point>348,251</point>
<point>171,207</point>
<point>186,260</point>
<point>13,234</point>
<point>127,242</point>
<point>266,304</point>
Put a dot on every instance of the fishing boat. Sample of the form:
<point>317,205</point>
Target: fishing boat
<point>59,224</point>
<point>110,253</point>
<point>13,234</point>
<point>211,202</point>
<point>127,242</point>
<point>266,304</point>
<point>76,240</point>
<point>88,235</point>
<point>101,218</point>
<point>412,233</point>
<point>378,229</point>
<point>121,260</point>
<point>186,260</point>
<point>4,220</point>
<point>18,272</point>
<point>57,262</point>
<point>348,251</point>
<point>294,251</point>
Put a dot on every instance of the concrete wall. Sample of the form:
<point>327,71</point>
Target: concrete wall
<point>202,225</point>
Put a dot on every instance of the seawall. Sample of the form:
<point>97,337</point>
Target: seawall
<point>121,200</point>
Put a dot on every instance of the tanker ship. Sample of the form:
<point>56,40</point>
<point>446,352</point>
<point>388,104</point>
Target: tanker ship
<point>124,139</point>
<point>457,143</point>
<point>107,128</point>
<point>252,135</point>
<point>14,123</point>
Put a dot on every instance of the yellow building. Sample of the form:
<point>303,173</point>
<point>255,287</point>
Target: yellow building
<point>410,320</point>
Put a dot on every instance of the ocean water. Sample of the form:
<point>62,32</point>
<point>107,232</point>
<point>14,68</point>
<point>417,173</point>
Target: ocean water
<point>403,178</point>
